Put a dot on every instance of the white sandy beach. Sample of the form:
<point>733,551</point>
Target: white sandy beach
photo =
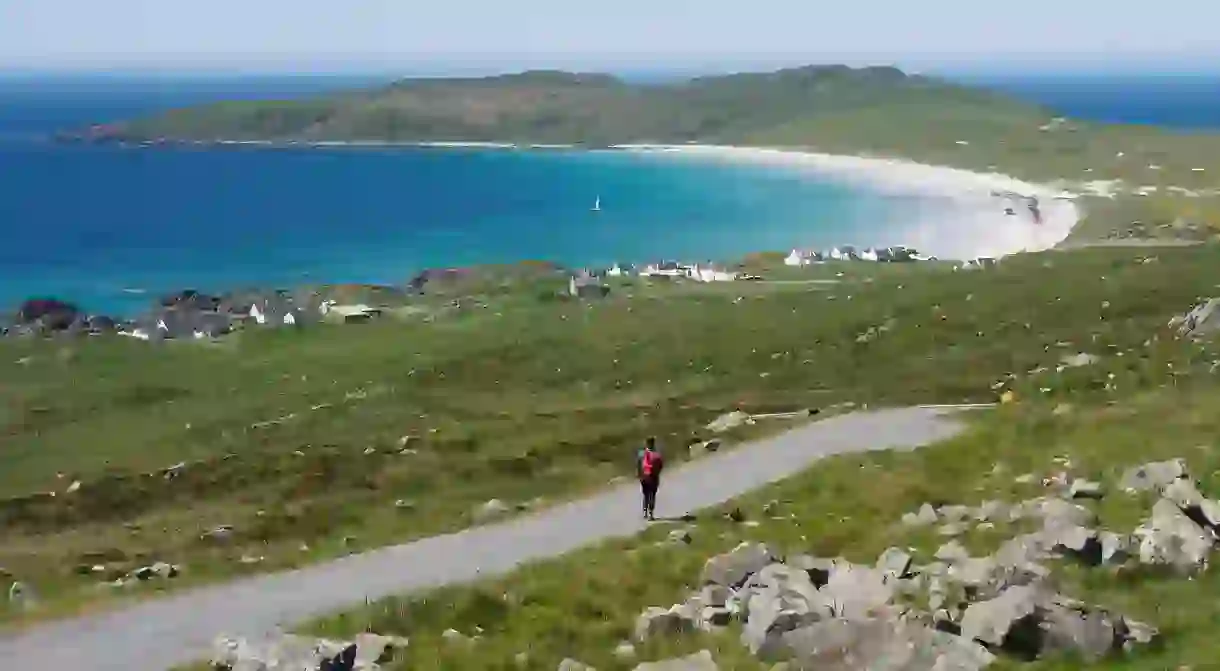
<point>953,213</point>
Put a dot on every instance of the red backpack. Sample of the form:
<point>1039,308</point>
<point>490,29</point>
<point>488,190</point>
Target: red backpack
<point>648,463</point>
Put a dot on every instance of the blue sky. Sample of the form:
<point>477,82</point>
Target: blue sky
<point>312,35</point>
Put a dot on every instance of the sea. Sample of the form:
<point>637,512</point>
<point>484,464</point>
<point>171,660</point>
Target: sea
<point>111,228</point>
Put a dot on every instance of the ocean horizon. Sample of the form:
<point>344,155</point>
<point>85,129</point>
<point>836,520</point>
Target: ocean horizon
<point>111,228</point>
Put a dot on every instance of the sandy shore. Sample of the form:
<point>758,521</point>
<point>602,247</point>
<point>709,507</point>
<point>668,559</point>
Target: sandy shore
<point>949,212</point>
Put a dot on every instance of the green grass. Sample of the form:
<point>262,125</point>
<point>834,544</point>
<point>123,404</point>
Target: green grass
<point>517,398</point>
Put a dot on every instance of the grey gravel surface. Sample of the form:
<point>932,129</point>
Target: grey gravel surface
<point>179,628</point>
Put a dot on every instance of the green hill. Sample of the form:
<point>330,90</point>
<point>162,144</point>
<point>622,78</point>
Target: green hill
<point>559,107</point>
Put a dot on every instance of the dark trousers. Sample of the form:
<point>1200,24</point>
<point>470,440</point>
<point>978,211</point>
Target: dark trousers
<point>649,487</point>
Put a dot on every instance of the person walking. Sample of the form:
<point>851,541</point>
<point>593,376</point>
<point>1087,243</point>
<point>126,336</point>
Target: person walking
<point>649,463</point>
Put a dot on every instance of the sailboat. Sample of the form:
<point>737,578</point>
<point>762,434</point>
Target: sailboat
<point>597,204</point>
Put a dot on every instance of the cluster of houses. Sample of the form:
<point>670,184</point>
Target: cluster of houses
<point>897,254</point>
<point>189,315</point>
<point>198,316</point>
<point>587,284</point>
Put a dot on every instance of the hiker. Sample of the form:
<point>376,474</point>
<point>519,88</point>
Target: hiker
<point>649,464</point>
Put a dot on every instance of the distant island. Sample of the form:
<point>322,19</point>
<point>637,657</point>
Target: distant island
<point>549,107</point>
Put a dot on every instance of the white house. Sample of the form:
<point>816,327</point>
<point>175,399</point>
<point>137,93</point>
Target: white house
<point>615,271</point>
<point>709,274</point>
<point>665,269</point>
<point>869,254</point>
<point>835,254</point>
<point>795,259</point>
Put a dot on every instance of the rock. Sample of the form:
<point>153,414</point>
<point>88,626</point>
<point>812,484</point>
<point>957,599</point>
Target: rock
<point>20,595</point>
<point>732,568</point>
<point>1171,538</point>
<point>700,661</point>
<point>894,563</point>
<point>373,649</point>
<point>1153,476</point>
<point>926,515</point>
<point>656,621</point>
<point>1057,512</point>
<point>1090,634</point>
<point>855,592</point>
<point>624,651</point>
<point>1200,322</point>
<point>728,421</point>
<point>1203,511</point>
<point>343,660</point>
<point>492,509</point>
<point>1136,634</point>
<point>1079,359</point>
<point>881,643</point>
<point>573,665</point>
<point>992,621</point>
<point>453,636</point>
<point>778,599</point>
<point>1085,489</point>
<point>1115,548</point>
<point>714,595</point>
<point>952,529</point>
<point>951,552</point>
<point>680,537</point>
<point>704,447</point>
<point>1078,542</point>
<point>816,568</point>
<point>221,533</point>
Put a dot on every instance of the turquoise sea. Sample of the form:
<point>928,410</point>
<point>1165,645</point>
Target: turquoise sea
<point>98,225</point>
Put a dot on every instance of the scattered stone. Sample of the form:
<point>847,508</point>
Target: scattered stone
<point>20,595</point>
<point>894,563</point>
<point>490,510</point>
<point>680,537</point>
<point>221,533</point>
<point>700,661</point>
<point>290,652</point>
<point>1085,489</point>
<point>1171,538</point>
<point>573,665</point>
<point>657,621</point>
<point>454,636</point>
<point>1153,476</point>
<point>1079,359</point>
<point>701,448</point>
<point>732,568</point>
<point>624,651</point>
<point>1200,322</point>
<point>925,516</point>
<point>730,420</point>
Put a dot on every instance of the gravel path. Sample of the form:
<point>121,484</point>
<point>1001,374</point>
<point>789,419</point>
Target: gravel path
<point>177,629</point>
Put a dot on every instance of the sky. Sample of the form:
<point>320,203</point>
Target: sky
<point>323,35</point>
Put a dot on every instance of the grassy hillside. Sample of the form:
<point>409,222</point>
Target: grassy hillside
<point>312,444</point>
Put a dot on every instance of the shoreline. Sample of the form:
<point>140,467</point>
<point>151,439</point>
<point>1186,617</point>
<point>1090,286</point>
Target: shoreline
<point>974,198</point>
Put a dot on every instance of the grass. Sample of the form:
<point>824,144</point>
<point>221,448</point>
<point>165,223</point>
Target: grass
<point>296,438</point>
